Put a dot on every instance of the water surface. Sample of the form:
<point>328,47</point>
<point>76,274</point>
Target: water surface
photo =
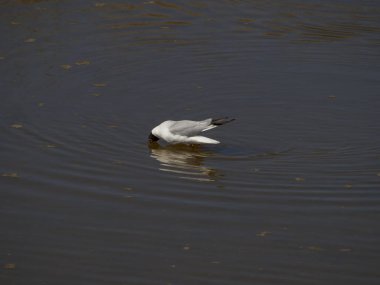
<point>291,196</point>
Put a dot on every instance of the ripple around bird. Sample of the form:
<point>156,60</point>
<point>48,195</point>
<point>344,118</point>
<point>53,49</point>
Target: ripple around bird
<point>290,196</point>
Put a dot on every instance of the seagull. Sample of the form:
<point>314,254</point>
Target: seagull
<point>186,131</point>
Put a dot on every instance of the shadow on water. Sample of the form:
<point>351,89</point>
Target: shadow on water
<point>187,161</point>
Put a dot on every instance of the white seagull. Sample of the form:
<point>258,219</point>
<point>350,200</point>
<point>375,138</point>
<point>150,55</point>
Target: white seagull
<point>186,131</point>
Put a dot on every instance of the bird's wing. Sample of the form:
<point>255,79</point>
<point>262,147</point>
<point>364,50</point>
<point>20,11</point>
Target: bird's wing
<point>189,128</point>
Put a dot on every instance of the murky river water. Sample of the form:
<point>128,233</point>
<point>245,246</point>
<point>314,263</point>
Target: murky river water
<point>291,196</point>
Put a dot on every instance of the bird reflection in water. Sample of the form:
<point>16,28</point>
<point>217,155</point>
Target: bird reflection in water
<point>187,161</point>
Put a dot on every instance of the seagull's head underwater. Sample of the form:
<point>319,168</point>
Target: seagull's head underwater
<point>152,138</point>
<point>186,131</point>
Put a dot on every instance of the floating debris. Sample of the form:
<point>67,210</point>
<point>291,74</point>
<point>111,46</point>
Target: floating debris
<point>66,66</point>
<point>17,126</point>
<point>10,174</point>
<point>30,40</point>
<point>345,249</point>
<point>187,247</point>
<point>315,248</point>
<point>128,188</point>
<point>10,266</point>
<point>82,62</point>
<point>263,234</point>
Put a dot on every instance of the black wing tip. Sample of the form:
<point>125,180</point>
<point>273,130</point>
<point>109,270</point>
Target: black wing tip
<point>221,121</point>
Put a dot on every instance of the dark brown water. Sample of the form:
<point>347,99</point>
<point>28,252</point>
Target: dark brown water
<point>291,196</point>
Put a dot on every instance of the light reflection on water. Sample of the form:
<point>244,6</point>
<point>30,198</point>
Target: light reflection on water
<point>185,161</point>
<point>159,22</point>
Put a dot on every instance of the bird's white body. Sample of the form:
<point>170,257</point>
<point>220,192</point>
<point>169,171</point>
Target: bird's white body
<point>187,131</point>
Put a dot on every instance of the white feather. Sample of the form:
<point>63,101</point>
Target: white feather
<point>185,131</point>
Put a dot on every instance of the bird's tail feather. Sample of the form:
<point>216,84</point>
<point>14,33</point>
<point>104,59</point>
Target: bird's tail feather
<point>221,121</point>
